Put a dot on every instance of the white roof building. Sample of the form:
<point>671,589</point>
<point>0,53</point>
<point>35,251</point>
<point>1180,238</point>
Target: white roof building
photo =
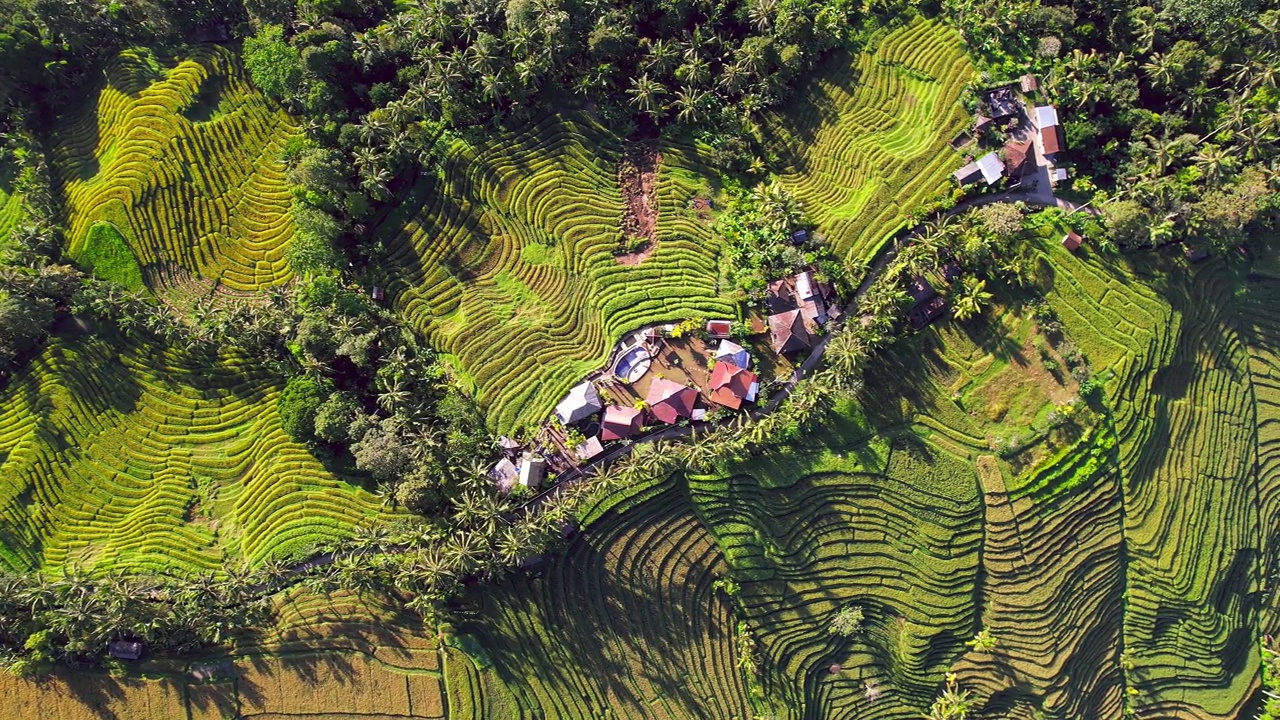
<point>532,470</point>
<point>581,401</point>
<point>732,352</point>
<point>992,167</point>
<point>1046,116</point>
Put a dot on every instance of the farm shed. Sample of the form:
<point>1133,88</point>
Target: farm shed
<point>719,328</point>
<point>1072,240</point>
<point>125,649</point>
<point>968,174</point>
<point>582,401</point>
<point>588,449</point>
<point>788,333</point>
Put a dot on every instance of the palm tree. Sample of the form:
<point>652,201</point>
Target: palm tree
<point>695,71</point>
<point>701,453</point>
<point>761,13</point>
<point>661,57</point>
<point>1214,163</point>
<point>970,299</point>
<point>845,353</point>
<point>690,105</point>
<point>1160,70</point>
<point>647,94</point>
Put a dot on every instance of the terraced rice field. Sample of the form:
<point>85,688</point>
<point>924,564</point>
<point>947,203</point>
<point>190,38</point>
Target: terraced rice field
<point>625,624</point>
<point>328,658</point>
<point>868,140</point>
<point>1103,591</point>
<point>184,158</point>
<point>121,455</point>
<point>507,262</point>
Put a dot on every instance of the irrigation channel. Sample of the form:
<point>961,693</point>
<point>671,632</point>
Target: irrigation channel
<point>584,473</point>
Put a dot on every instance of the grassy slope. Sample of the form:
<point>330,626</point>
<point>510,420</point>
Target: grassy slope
<point>867,142</point>
<point>122,455</point>
<point>185,161</point>
<point>507,262</point>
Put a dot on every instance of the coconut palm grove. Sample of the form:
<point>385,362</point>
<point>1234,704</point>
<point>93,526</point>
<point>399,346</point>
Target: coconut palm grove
<point>671,359</point>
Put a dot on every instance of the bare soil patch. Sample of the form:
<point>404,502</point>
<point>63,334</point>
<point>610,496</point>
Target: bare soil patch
<point>638,181</point>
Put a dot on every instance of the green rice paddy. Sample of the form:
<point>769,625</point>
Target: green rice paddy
<point>183,158</point>
<point>115,454</point>
<point>1102,592</point>
<point>867,142</point>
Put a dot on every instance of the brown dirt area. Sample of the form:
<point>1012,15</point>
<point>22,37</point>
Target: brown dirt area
<point>638,180</point>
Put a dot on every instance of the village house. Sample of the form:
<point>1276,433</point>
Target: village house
<point>532,470</point>
<point>812,305</point>
<point>669,401</point>
<point>504,474</point>
<point>928,303</point>
<point>1050,136</point>
<point>1002,102</point>
<point>1015,159</point>
<point>788,333</point>
<point>582,402</point>
<point>620,422</point>
<point>731,351</point>
<point>731,385</point>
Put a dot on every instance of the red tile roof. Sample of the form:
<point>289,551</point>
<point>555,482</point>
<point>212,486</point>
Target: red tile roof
<point>1051,138</point>
<point>1071,241</point>
<point>620,422</point>
<point>730,384</point>
<point>669,401</point>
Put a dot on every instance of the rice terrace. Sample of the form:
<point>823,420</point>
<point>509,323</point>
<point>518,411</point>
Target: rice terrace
<point>541,359</point>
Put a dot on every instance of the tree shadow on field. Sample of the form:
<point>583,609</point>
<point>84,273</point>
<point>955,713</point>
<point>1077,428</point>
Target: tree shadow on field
<point>95,690</point>
<point>791,131</point>
<point>900,381</point>
<point>609,618</point>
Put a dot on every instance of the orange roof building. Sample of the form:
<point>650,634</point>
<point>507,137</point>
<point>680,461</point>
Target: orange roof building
<point>620,422</point>
<point>731,385</point>
<point>669,401</point>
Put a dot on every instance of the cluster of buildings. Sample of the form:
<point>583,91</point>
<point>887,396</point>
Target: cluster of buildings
<point>798,307</point>
<point>1038,132</point>
<point>657,377</point>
